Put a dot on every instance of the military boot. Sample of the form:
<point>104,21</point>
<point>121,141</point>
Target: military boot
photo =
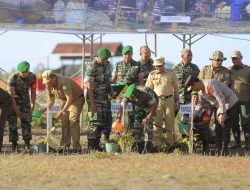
<point>106,137</point>
<point>27,148</point>
<point>97,145</point>
<point>139,147</point>
<point>247,143</point>
<point>14,147</point>
<point>91,144</point>
<point>236,145</point>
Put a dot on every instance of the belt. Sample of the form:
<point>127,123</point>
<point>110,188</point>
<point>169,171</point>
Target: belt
<point>166,97</point>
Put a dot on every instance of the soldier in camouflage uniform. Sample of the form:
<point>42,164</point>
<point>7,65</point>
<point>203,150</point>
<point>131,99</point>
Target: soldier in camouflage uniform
<point>183,70</point>
<point>5,110</point>
<point>128,72</point>
<point>145,101</point>
<point>19,84</point>
<point>146,62</point>
<point>97,83</point>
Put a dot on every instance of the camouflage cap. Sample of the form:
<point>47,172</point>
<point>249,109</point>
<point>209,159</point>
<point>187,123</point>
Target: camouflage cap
<point>217,55</point>
<point>130,90</point>
<point>23,66</point>
<point>47,75</point>
<point>127,49</point>
<point>236,54</point>
<point>103,53</point>
<point>159,61</point>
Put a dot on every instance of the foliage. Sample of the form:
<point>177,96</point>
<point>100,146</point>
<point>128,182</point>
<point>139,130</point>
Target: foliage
<point>187,139</point>
<point>125,141</point>
<point>48,139</point>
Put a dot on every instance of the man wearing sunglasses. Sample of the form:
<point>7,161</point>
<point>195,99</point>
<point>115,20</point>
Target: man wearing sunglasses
<point>19,85</point>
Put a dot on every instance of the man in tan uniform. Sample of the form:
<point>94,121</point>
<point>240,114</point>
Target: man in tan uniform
<point>216,70</point>
<point>165,84</point>
<point>72,98</point>
<point>240,76</point>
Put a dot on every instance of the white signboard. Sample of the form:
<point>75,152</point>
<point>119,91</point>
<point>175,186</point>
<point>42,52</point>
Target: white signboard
<point>116,105</point>
<point>175,19</point>
<point>54,109</point>
<point>186,109</point>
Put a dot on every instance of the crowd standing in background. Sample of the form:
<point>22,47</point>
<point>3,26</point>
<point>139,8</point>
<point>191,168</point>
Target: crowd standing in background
<point>156,94</point>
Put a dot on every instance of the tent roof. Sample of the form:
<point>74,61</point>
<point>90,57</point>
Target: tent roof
<point>75,49</point>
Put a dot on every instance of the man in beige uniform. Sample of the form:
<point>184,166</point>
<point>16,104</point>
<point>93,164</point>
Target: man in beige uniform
<point>165,84</point>
<point>216,70</point>
<point>72,98</point>
<point>240,76</point>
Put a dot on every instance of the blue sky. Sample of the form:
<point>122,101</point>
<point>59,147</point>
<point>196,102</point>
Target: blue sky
<point>36,47</point>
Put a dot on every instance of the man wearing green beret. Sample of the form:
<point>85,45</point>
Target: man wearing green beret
<point>128,72</point>
<point>145,102</point>
<point>19,84</point>
<point>97,83</point>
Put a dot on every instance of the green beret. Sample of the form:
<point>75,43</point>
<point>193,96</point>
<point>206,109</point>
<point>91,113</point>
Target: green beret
<point>130,90</point>
<point>23,66</point>
<point>194,93</point>
<point>127,49</point>
<point>103,53</point>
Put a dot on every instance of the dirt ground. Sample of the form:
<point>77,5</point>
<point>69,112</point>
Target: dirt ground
<point>121,171</point>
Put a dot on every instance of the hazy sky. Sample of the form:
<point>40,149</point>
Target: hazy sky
<point>36,47</point>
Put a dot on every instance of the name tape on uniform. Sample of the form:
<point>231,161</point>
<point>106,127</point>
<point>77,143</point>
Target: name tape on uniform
<point>116,105</point>
<point>54,109</point>
<point>186,109</point>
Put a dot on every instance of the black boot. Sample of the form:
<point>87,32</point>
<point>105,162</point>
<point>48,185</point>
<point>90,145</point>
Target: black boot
<point>139,147</point>
<point>97,145</point>
<point>92,144</point>
<point>236,145</point>
<point>247,143</point>
<point>106,138</point>
<point>27,147</point>
<point>14,146</point>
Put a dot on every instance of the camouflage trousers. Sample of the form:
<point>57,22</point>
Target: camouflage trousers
<point>96,126</point>
<point>141,133</point>
<point>25,123</point>
<point>107,127</point>
<point>5,111</point>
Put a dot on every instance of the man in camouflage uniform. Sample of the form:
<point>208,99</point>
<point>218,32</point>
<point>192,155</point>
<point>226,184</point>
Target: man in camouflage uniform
<point>5,110</point>
<point>97,83</point>
<point>240,77</point>
<point>146,62</point>
<point>72,99</point>
<point>19,84</point>
<point>216,70</point>
<point>165,84</point>
<point>183,70</point>
<point>128,72</point>
<point>145,102</point>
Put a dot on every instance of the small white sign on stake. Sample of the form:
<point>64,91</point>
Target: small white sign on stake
<point>186,108</point>
<point>54,109</point>
<point>116,105</point>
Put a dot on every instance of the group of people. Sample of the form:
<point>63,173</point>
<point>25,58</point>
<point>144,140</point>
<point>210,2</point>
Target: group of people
<point>156,94</point>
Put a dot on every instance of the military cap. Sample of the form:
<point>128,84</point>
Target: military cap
<point>159,61</point>
<point>236,54</point>
<point>130,90</point>
<point>194,93</point>
<point>127,49</point>
<point>103,53</point>
<point>47,75</point>
<point>190,82</point>
<point>217,55</point>
<point>23,66</point>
